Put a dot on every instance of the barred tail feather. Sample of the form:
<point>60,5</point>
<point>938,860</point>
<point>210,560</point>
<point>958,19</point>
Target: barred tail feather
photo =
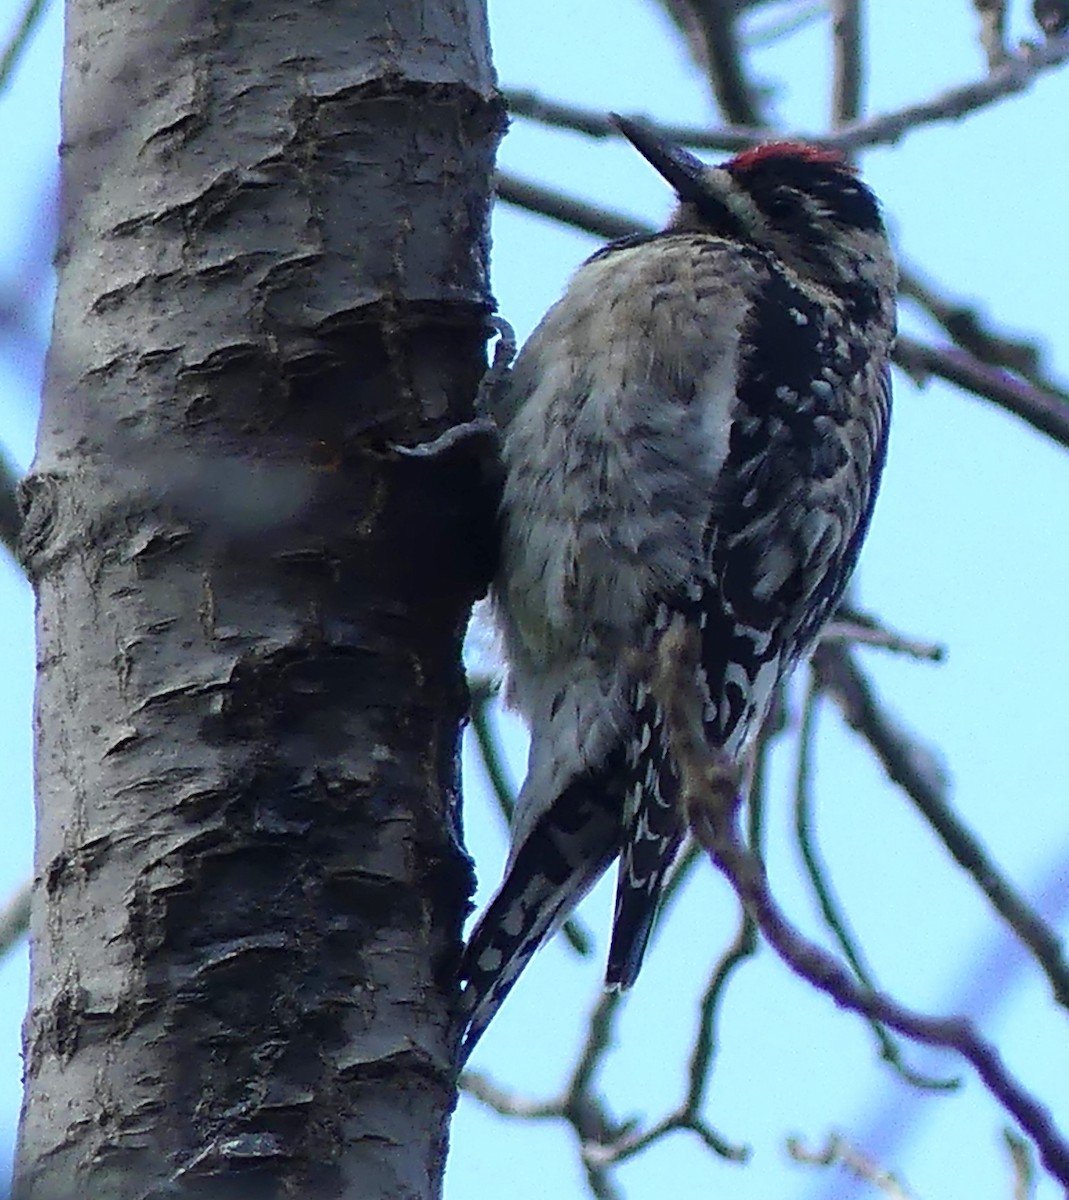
<point>651,843</point>
<point>563,856</point>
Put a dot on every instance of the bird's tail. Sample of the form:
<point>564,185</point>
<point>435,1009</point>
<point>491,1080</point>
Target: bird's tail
<point>563,856</point>
<point>651,841</point>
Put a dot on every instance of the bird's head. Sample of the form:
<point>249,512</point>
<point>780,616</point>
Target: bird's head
<point>804,204</point>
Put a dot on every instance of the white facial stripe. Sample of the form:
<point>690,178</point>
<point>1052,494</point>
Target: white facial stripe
<point>734,198</point>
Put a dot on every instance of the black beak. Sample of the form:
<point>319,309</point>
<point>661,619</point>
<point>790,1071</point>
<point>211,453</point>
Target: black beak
<point>682,170</point>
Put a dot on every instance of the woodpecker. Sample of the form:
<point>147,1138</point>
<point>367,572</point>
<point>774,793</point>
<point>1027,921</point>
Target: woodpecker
<point>695,432</point>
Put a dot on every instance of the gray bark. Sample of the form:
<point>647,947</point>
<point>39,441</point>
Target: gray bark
<point>248,888</point>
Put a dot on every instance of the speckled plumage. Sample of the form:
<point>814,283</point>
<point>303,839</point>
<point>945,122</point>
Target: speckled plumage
<point>696,428</point>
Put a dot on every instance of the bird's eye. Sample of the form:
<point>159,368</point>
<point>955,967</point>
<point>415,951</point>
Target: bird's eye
<point>782,205</point>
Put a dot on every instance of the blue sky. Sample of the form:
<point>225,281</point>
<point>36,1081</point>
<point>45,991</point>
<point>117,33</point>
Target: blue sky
<point>966,549</point>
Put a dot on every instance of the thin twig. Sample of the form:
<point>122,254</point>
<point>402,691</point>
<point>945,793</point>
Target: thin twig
<point>609,1154</point>
<point>953,1033</point>
<point>1015,75</point>
<point>20,39</point>
<point>910,767</point>
<point>15,917</point>
<point>848,73</point>
<point>604,1141</point>
<point>491,755</point>
<point>688,1115</point>
<point>992,14</point>
<point>839,1151</point>
<point>524,103</point>
<point>864,630</point>
<point>505,1103</point>
<point>834,918</point>
<point>967,328</point>
<point>601,1186</point>
<point>710,29</point>
<point>549,203</point>
<point>1021,1163</point>
<point>597,1042</point>
<point>578,1107</point>
<point>782,25</point>
<point>735,93</point>
<point>582,1108</point>
<point>709,793</point>
<point>743,945</point>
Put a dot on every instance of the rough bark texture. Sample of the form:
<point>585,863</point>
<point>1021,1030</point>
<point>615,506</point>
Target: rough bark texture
<point>248,890</point>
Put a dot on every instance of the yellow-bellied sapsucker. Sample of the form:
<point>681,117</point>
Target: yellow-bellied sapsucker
<point>695,431</point>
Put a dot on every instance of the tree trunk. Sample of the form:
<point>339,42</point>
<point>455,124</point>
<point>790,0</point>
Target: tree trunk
<point>249,887</point>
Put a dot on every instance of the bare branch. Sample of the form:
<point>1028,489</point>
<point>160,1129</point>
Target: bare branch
<point>1015,75</point>
<point>742,947</point>
<point>15,917</point>
<point>604,1141</point>
<point>710,797</point>
<point>910,767</point>
<point>524,103</point>
<point>848,73</point>
<point>606,1154</point>
<point>735,93</point>
<point>578,1107</point>
<point>688,1115</point>
<point>598,1039</point>
<point>782,25</point>
<point>20,39</point>
<point>1041,410</point>
<point>839,1151</point>
<point>549,203</point>
<point>595,124</point>
<point>711,31</point>
<point>601,1186</point>
<point>834,917</point>
<point>489,751</point>
<point>506,1103</point>
<point>1052,16</point>
<point>966,326</point>
<point>1022,1165</point>
<point>582,1108</point>
<point>992,14</point>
